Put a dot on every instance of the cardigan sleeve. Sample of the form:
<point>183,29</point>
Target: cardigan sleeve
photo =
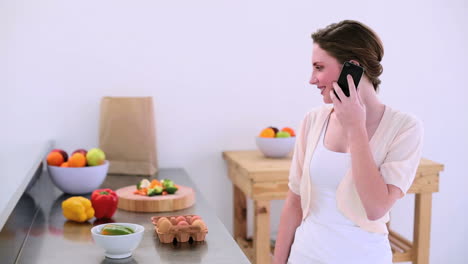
<point>402,160</point>
<point>295,171</point>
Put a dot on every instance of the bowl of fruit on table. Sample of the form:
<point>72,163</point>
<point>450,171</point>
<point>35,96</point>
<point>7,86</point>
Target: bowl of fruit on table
<point>275,143</point>
<point>81,173</point>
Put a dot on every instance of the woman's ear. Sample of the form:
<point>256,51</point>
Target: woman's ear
<point>355,62</point>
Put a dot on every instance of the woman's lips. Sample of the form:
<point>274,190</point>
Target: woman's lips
<point>322,89</point>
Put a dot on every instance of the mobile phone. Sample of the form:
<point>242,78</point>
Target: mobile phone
<point>355,71</point>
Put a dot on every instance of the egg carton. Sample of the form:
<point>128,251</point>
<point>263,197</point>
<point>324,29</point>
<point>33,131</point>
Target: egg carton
<point>180,233</point>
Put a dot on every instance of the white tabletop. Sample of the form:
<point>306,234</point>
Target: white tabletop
<point>18,163</point>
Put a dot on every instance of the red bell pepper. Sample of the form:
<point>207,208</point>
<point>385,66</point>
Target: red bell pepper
<point>104,202</point>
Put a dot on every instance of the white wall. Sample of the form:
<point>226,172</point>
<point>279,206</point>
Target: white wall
<point>222,71</point>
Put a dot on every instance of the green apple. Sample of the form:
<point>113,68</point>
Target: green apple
<point>283,134</point>
<point>95,157</point>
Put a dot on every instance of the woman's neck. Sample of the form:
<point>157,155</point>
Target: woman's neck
<point>374,108</point>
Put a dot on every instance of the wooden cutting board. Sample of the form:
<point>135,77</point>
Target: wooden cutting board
<point>183,198</point>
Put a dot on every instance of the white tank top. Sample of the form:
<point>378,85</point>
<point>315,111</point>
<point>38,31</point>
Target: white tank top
<point>326,235</point>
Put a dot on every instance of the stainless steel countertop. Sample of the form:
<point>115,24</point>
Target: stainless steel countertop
<point>53,239</point>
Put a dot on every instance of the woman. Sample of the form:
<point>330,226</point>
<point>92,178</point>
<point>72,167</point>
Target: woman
<point>353,159</point>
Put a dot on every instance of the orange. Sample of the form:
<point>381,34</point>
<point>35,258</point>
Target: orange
<point>268,133</point>
<point>65,165</point>
<point>289,130</point>
<point>77,160</point>
<point>54,159</point>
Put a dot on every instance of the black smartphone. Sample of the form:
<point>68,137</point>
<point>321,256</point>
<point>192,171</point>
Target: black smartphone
<point>355,71</point>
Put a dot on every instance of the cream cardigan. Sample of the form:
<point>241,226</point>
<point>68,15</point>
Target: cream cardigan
<point>396,148</point>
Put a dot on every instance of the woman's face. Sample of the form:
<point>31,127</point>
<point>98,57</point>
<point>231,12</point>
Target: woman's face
<point>326,70</point>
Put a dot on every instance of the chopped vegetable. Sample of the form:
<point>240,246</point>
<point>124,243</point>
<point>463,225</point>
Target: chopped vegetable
<point>116,230</point>
<point>171,189</point>
<point>155,191</point>
<point>167,183</point>
<point>155,183</point>
<point>143,184</point>
<point>143,191</point>
<point>155,187</point>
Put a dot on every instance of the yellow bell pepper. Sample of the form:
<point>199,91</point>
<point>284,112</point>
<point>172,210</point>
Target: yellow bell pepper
<point>77,208</point>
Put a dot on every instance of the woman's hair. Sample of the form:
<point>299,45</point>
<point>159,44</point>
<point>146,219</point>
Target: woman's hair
<point>352,40</point>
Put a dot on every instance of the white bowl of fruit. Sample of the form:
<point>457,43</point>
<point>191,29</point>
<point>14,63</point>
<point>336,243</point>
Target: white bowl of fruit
<point>81,173</point>
<point>275,143</point>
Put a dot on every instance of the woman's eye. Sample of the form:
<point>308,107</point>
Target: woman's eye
<point>318,68</point>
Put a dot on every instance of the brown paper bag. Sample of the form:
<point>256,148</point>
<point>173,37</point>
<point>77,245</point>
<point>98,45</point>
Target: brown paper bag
<point>127,135</point>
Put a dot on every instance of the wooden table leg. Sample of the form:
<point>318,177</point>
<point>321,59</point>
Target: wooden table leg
<point>240,214</point>
<point>261,241</point>
<point>422,227</point>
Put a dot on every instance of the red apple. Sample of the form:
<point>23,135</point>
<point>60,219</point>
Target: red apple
<point>64,154</point>
<point>82,151</point>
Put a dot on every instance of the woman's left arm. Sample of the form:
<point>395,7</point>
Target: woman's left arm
<point>377,196</point>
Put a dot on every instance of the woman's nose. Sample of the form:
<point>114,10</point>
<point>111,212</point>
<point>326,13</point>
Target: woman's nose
<point>313,80</point>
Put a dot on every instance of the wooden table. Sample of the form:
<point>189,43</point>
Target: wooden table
<point>264,179</point>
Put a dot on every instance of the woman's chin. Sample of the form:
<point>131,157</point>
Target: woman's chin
<point>327,100</point>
